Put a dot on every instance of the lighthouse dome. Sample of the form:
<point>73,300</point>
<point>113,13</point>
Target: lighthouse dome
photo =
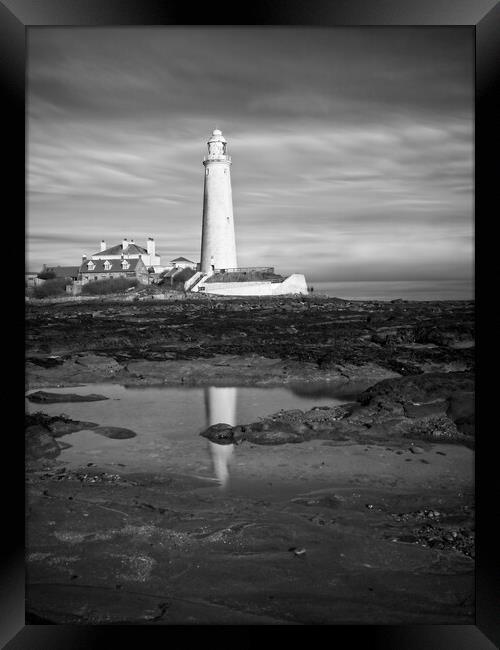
<point>217,136</point>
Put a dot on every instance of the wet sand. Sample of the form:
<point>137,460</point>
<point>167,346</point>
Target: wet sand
<point>107,546</point>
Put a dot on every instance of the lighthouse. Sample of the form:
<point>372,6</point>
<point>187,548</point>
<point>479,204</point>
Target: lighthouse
<point>218,244</point>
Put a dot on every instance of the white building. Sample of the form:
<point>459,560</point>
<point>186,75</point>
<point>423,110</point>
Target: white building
<point>182,263</point>
<point>130,250</point>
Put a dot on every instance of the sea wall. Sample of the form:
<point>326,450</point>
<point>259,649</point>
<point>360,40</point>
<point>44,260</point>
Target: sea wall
<point>293,284</point>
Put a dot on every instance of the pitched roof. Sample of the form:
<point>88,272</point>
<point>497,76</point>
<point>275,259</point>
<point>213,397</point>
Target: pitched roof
<point>116,266</point>
<point>132,249</point>
<point>182,259</point>
<point>62,271</point>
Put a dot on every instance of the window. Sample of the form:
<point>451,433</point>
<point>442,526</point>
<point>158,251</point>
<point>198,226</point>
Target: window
<point>91,266</point>
<point>107,265</point>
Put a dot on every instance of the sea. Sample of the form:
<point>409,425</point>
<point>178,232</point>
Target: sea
<point>426,290</point>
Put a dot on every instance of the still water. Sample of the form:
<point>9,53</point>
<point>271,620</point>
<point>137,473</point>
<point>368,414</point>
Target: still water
<point>389,290</point>
<point>168,422</point>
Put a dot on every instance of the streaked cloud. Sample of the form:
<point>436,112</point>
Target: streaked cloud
<point>352,148</point>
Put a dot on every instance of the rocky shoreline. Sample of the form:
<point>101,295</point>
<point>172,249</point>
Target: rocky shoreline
<point>387,410</point>
<point>259,340</point>
<point>369,513</point>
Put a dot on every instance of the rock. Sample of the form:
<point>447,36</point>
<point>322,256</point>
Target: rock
<point>46,362</point>
<point>272,431</point>
<point>44,397</point>
<point>386,408</point>
<point>101,363</point>
<point>394,335</point>
<point>273,437</point>
<point>291,416</point>
<point>117,433</point>
<point>461,407</point>
<point>446,337</point>
<point>404,407</point>
<point>220,433</point>
<point>434,428</point>
<point>425,409</point>
<point>467,429</point>
<point>275,432</point>
<point>58,425</point>
<point>462,345</point>
<point>363,415</point>
<point>321,414</point>
<point>418,388</point>
<point>390,427</point>
<point>39,443</point>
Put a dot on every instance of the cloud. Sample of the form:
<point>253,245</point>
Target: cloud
<point>352,148</point>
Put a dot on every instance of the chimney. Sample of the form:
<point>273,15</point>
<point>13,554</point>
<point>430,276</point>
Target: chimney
<point>132,241</point>
<point>103,245</point>
<point>151,246</point>
<point>84,257</point>
<point>125,244</point>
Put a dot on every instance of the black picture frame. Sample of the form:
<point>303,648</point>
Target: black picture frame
<point>483,16</point>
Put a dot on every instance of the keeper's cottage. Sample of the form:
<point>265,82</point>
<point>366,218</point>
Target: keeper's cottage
<point>126,260</point>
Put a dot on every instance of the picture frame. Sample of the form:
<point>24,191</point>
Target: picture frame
<point>483,16</point>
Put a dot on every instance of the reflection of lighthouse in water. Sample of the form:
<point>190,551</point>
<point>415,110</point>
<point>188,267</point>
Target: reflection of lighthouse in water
<point>220,407</point>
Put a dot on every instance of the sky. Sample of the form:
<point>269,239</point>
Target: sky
<point>352,148</point>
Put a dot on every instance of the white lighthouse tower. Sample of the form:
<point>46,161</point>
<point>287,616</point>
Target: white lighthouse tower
<point>218,244</point>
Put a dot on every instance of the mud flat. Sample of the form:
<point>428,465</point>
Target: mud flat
<point>361,512</point>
